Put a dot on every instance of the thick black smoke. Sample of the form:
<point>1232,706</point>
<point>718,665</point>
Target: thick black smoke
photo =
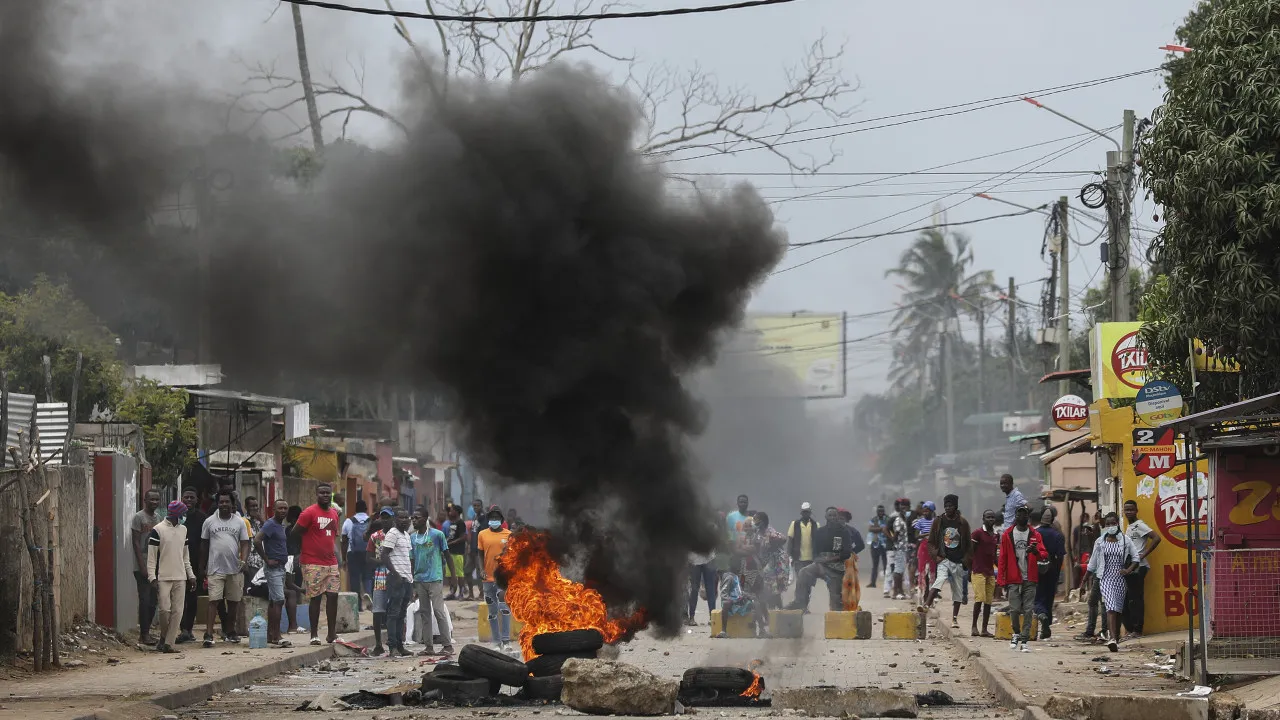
<point>513,247</point>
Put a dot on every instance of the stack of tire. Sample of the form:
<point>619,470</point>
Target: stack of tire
<point>481,672</point>
<point>714,685</point>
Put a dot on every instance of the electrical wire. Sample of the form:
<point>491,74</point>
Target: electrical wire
<point>833,173</point>
<point>908,231</point>
<point>510,19</point>
<point>780,199</point>
<point>963,109</point>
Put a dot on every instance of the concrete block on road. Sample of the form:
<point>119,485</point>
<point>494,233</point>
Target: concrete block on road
<point>786,623</point>
<point>904,626</point>
<point>348,612</point>
<point>848,625</point>
<point>740,626</point>
<point>483,629</point>
<point>1125,707</point>
<point>845,702</point>
<point>1004,626</point>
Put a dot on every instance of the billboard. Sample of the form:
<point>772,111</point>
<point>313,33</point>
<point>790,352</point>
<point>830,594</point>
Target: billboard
<point>1118,362</point>
<point>809,346</point>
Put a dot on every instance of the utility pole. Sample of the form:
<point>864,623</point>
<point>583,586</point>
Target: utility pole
<point>982,361</point>
<point>946,370</point>
<point>1119,179</point>
<point>1064,296</point>
<point>1013,348</point>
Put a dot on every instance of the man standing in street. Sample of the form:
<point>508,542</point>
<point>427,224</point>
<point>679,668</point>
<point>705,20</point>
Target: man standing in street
<point>983,571</point>
<point>226,547</point>
<point>430,555</point>
<point>395,554</point>
<point>1146,541</point>
<point>492,542</point>
<point>140,529</point>
<point>1021,549</point>
<point>272,544</point>
<point>950,543</point>
<point>355,530</point>
<point>318,529</point>
<point>169,572</point>
<point>195,525</point>
<point>1012,500</point>
<point>456,539</point>
<point>896,533</point>
<point>833,545</point>
<point>876,539</point>
<point>1047,586</point>
<point>734,520</point>
<point>800,538</point>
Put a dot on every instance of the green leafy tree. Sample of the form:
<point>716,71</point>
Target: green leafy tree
<point>1211,161</point>
<point>938,288</point>
<point>170,436</point>
<point>47,319</point>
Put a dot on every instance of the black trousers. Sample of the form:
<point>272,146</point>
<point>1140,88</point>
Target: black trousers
<point>1135,601</point>
<point>146,603</point>
<point>189,610</point>
<point>359,575</point>
<point>879,560</point>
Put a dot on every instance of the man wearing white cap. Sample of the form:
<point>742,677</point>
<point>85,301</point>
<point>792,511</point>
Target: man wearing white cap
<point>800,538</point>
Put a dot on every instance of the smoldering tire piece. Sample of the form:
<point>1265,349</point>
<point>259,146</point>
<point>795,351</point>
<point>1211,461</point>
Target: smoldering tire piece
<point>548,665</point>
<point>455,686</point>
<point>732,679</point>
<point>569,641</point>
<point>544,688</point>
<point>492,665</point>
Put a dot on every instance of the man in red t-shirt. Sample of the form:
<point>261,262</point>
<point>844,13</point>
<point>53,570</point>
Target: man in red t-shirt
<point>318,530</point>
<point>982,571</point>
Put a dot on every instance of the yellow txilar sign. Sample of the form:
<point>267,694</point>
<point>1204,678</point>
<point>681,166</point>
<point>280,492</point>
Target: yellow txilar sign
<point>811,346</point>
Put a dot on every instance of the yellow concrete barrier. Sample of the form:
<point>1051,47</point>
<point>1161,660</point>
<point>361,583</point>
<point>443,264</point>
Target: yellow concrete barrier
<point>486,633</point>
<point>841,625</point>
<point>904,626</point>
<point>740,626</point>
<point>1004,626</point>
<point>786,623</point>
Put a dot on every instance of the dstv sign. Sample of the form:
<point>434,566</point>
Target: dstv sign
<point>1070,413</point>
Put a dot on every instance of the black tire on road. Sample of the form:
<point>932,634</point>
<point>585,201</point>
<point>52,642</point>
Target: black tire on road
<point>548,665</point>
<point>456,686</point>
<point>717,678</point>
<point>570,641</point>
<point>447,667</point>
<point>543,688</point>
<point>492,665</point>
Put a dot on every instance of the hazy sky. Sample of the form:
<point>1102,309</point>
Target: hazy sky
<point>906,56</point>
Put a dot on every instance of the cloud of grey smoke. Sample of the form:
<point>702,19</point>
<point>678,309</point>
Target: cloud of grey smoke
<point>514,248</point>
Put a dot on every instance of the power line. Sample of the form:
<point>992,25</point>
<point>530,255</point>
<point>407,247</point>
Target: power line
<point>509,19</point>
<point>779,199</point>
<point>908,231</point>
<point>963,108</point>
<point>894,173</point>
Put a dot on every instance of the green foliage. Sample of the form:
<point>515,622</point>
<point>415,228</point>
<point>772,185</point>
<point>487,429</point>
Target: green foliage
<point>47,319</point>
<point>1211,161</point>
<point>937,290</point>
<point>170,435</point>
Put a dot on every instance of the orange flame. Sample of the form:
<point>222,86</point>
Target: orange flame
<point>754,690</point>
<point>546,601</point>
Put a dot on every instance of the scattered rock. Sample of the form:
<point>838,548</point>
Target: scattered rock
<point>605,687</point>
<point>113,661</point>
<point>843,702</point>
<point>324,702</point>
<point>73,663</point>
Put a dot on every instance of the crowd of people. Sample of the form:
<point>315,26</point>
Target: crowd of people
<point>222,547</point>
<point>1017,555</point>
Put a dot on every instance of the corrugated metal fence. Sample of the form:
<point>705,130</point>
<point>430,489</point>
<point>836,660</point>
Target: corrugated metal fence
<point>51,420</point>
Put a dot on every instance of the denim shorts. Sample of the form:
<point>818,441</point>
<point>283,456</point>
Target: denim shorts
<point>275,583</point>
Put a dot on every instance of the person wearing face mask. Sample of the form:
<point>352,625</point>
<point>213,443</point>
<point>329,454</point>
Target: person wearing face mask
<point>1113,559</point>
<point>492,542</point>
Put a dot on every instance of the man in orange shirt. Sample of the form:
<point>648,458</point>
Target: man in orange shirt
<point>492,542</point>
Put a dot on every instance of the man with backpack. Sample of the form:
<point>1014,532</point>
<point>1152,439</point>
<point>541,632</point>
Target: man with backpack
<point>354,540</point>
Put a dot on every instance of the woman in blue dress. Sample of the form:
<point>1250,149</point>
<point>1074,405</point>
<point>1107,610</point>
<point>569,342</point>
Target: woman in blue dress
<point>1113,558</point>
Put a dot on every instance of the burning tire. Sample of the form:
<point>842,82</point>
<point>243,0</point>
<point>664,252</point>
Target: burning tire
<point>731,679</point>
<point>543,688</point>
<point>548,665</point>
<point>492,665</point>
<point>570,641</point>
<point>456,686</point>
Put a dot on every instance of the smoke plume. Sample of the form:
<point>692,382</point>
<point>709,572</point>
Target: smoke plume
<point>514,247</point>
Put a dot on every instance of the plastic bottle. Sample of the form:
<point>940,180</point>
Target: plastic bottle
<point>257,630</point>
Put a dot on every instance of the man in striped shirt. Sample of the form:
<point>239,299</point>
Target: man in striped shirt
<point>169,571</point>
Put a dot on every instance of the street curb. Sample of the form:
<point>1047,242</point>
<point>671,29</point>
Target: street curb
<point>1035,712</point>
<point>306,655</point>
<point>994,680</point>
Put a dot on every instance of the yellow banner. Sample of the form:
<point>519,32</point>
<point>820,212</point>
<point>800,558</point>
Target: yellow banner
<point>809,345</point>
<point>1117,362</point>
<point>1208,362</point>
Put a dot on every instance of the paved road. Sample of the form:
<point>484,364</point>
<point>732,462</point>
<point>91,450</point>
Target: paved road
<point>914,666</point>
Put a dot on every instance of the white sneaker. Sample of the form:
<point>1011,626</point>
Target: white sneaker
<point>1013,644</point>
<point>899,596</point>
<point>1022,647</point>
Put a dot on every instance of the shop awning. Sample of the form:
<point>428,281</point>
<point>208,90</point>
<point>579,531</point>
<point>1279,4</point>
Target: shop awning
<point>1070,446</point>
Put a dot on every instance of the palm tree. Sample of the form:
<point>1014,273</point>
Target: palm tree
<point>938,290</point>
